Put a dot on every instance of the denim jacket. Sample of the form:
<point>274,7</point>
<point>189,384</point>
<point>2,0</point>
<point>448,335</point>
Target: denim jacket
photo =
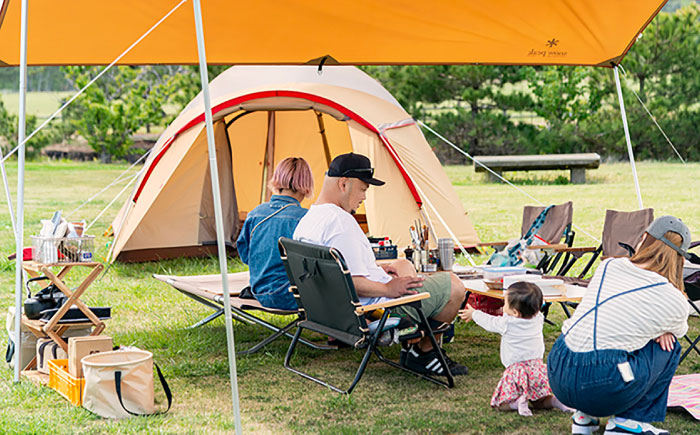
<point>258,249</point>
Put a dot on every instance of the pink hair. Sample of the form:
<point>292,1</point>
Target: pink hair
<point>293,173</point>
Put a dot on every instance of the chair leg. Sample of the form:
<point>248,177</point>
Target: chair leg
<point>545,312</point>
<point>358,374</point>
<point>268,340</point>
<point>691,345</point>
<point>207,319</point>
<point>449,383</point>
<point>566,309</point>
<point>277,331</point>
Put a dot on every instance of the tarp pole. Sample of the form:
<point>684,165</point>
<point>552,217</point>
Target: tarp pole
<point>19,233</point>
<point>627,136</point>
<point>214,171</point>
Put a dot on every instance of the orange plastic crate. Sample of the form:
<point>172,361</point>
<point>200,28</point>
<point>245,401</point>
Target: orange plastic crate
<point>60,380</point>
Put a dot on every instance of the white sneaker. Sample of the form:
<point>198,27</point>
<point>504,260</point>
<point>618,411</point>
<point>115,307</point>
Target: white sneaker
<point>618,425</point>
<point>583,424</point>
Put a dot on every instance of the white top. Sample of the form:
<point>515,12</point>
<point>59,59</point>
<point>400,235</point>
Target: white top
<point>330,225</point>
<point>521,339</point>
<point>627,322</point>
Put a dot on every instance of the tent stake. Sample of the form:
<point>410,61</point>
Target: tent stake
<point>214,170</point>
<point>19,233</point>
<point>627,136</point>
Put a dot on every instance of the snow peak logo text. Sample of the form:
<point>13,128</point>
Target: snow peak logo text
<point>548,52</point>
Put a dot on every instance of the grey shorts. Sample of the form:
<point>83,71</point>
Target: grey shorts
<point>439,286</point>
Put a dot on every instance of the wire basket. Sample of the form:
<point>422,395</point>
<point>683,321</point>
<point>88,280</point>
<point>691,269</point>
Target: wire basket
<point>53,250</point>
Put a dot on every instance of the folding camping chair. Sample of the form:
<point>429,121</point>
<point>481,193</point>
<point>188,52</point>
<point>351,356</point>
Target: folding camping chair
<point>556,230</point>
<point>621,233</point>
<point>328,304</point>
<point>207,290</point>
<point>691,279</point>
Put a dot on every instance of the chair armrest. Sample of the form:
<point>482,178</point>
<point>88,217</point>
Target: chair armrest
<point>491,244</point>
<point>555,246</point>
<point>392,303</point>
<point>579,249</point>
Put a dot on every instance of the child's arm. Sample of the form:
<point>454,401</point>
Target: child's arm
<point>466,314</point>
<point>490,323</point>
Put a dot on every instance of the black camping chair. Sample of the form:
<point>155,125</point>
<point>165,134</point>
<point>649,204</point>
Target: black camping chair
<point>328,304</point>
<point>691,280</point>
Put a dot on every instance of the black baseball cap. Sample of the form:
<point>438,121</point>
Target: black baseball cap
<point>353,165</point>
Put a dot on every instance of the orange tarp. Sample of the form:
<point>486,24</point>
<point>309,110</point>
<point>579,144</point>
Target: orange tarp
<point>546,32</point>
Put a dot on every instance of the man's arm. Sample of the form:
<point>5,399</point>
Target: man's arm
<point>395,288</point>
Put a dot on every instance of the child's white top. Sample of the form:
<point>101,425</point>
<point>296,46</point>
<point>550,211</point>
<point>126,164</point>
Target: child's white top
<point>521,339</point>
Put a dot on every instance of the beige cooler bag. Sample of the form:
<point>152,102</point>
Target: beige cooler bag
<point>120,383</point>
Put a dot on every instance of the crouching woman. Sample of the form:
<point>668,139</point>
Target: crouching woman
<point>617,355</point>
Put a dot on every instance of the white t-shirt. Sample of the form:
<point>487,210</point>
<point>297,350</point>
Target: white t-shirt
<point>626,322</point>
<point>521,339</point>
<point>330,225</point>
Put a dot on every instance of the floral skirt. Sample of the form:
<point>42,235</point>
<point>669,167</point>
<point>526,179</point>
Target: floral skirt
<point>525,377</point>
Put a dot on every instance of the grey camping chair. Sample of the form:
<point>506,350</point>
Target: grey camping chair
<point>555,230</point>
<point>621,233</point>
<point>328,304</point>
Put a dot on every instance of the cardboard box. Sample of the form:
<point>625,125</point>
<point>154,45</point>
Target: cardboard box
<point>79,347</point>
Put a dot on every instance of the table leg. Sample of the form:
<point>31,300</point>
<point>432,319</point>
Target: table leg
<point>73,297</point>
<point>31,365</point>
<point>58,339</point>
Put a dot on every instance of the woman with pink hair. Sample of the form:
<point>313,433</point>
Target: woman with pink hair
<point>266,223</point>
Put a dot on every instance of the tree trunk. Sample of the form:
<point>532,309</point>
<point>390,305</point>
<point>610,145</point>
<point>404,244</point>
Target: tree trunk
<point>105,157</point>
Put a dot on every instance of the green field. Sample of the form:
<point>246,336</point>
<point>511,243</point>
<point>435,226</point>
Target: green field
<point>40,104</point>
<point>153,316</point>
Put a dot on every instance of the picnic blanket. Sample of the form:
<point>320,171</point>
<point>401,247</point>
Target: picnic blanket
<point>685,393</point>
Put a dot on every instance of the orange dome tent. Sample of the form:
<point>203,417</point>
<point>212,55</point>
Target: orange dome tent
<point>263,114</point>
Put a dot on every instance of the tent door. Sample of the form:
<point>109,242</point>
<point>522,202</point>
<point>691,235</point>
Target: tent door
<point>232,224</point>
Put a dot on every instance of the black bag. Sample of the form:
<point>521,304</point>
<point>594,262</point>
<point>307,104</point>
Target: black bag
<point>74,315</point>
<point>47,298</point>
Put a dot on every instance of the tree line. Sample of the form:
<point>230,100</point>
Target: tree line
<point>482,109</point>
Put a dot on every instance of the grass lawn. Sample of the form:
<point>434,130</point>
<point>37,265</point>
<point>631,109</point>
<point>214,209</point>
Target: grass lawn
<point>153,316</point>
<point>40,104</point>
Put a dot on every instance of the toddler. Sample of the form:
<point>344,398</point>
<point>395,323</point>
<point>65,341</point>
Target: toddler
<point>522,348</point>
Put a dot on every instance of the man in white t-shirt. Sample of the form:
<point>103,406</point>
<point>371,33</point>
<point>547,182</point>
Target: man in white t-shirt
<point>329,222</point>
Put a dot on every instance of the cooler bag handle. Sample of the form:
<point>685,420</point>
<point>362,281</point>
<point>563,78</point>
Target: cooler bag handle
<point>166,388</point>
<point>10,352</point>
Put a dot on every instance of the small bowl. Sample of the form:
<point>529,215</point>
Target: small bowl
<point>494,285</point>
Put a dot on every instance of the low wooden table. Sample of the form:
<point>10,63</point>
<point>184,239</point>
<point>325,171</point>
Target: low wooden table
<point>53,328</point>
<point>478,286</point>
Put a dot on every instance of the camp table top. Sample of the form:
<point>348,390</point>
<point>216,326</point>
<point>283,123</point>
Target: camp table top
<point>574,293</point>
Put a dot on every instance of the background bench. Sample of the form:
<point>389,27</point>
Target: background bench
<point>577,163</point>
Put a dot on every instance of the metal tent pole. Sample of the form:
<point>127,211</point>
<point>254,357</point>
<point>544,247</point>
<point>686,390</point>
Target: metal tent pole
<point>213,168</point>
<point>627,136</point>
<point>19,232</point>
